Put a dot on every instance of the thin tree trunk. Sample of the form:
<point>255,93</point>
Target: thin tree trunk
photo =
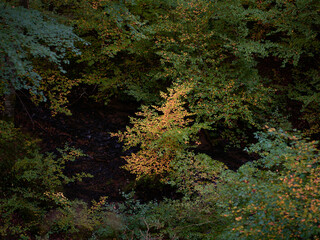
<point>9,105</point>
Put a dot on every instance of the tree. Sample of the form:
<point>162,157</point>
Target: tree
<point>162,133</point>
<point>28,36</point>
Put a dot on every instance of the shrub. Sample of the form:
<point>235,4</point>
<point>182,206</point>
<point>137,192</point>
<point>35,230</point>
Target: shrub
<point>29,179</point>
<point>276,197</point>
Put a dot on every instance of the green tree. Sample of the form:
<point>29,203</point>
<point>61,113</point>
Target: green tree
<point>112,61</point>
<point>28,36</point>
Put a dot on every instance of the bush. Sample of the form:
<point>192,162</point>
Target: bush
<point>276,197</point>
<point>29,180</point>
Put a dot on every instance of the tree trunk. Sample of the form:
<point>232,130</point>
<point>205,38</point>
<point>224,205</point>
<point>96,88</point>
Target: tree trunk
<point>9,105</point>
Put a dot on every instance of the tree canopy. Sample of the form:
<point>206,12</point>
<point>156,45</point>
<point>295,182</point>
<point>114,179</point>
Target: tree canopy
<point>243,73</point>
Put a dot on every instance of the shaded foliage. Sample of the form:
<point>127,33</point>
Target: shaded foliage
<point>29,179</point>
<point>27,35</point>
<point>228,68</point>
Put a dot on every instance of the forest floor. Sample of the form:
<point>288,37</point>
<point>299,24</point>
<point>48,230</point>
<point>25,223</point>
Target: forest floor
<point>89,129</point>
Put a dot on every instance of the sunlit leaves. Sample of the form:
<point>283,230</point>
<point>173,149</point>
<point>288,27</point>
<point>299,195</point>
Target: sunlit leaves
<point>161,132</point>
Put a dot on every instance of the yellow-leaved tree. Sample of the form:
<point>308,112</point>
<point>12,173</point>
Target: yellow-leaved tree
<point>161,133</point>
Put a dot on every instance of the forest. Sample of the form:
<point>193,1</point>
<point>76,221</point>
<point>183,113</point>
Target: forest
<point>159,119</point>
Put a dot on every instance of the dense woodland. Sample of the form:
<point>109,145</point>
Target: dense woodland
<point>234,74</point>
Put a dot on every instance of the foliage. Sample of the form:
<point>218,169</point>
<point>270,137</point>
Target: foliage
<point>278,195</point>
<point>193,174</point>
<point>229,67</point>
<point>275,197</point>
<point>110,62</point>
<point>30,39</point>
<point>28,180</point>
<point>56,88</point>
<point>161,134</point>
<point>227,92</point>
<point>226,49</point>
<point>289,31</point>
<point>170,219</point>
<point>221,45</point>
<point>28,36</point>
